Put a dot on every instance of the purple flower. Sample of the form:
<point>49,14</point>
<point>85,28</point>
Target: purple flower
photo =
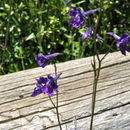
<point>43,60</point>
<point>78,17</point>
<point>46,85</point>
<point>88,33</point>
<point>123,42</point>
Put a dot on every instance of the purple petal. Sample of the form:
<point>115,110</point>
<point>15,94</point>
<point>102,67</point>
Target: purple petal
<point>88,33</point>
<point>77,21</point>
<point>46,85</point>
<point>85,36</point>
<point>123,51</point>
<point>50,94</point>
<point>57,76</point>
<point>114,35</point>
<point>44,89</point>
<point>122,46</point>
<point>78,9</point>
<point>52,55</point>
<point>55,87</point>
<point>49,76</point>
<point>128,40</point>
<point>77,18</point>
<point>38,57</point>
<point>75,25</point>
<point>41,60</point>
<point>37,91</point>
<point>99,37</point>
<point>123,43</point>
<point>41,80</point>
<point>128,48</point>
<point>124,36</point>
<point>90,11</point>
<point>73,12</point>
<point>50,91</point>
<point>42,63</point>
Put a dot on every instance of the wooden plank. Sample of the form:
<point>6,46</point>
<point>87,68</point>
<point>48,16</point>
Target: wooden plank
<point>19,111</point>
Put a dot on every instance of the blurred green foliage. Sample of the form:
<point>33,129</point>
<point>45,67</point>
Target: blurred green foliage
<point>28,27</point>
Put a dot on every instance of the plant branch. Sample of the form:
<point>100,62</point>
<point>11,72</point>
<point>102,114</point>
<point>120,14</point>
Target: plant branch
<point>96,70</point>
<point>57,105</point>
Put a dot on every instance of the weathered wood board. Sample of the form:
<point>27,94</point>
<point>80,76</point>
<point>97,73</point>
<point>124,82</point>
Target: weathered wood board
<point>19,111</point>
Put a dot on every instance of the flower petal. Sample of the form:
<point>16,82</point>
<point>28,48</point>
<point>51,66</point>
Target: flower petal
<point>124,36</point>
<point>57,77</point>
<point>114,35</point>
<point>88,33</point>
<point>37,91</point>
<point>44,89</point>
<point>90,11</point>
<point>41,60</point>
<point>41,80</point>
<point>73,12</point>
<point>123,51</point>
<point>55,87</point>
<point>77,18</point>
<point>38,57</point>
<point>50,91</point>
<point>52,55</point>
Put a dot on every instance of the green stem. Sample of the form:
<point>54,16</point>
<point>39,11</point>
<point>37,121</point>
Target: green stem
<point>22,62</point>
<point>6,35</point>
<point>96,70</point>
<point>96,78</point>
<point>57,111</point>
<point>52,102</point>
<point>57,105</point>
<point>2,70</point>
<point>8,26</point>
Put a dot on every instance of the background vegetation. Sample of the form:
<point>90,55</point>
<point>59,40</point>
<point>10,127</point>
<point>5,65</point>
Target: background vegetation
<point>28,27</point>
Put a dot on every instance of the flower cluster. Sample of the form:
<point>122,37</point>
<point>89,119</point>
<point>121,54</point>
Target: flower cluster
<point>123,42</point>
<point>45,85</point>
<point>88,33</point>
<point>43,60</point>
<point>78,19</point>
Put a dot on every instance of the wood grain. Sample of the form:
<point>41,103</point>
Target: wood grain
<point>19,111</point>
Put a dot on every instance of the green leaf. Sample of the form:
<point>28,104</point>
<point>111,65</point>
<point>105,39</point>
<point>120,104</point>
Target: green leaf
<point>31,36</point>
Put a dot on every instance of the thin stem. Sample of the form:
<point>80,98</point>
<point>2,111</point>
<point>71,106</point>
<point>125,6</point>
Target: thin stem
<point>52,101</point>
<point>96,71</point>
<point>8,26</point>
<point>6,36</point>
<point>57,105</point>
<point>2,70</point>
<point>55,69</point>
<point>22,62</point>
<point>57,111</point>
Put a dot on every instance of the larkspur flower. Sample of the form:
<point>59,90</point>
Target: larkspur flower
<point>43,60</point>
<point>123,42</point>
<point>88,33</point>
<point>78,17</point>
<point>46,85</point>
